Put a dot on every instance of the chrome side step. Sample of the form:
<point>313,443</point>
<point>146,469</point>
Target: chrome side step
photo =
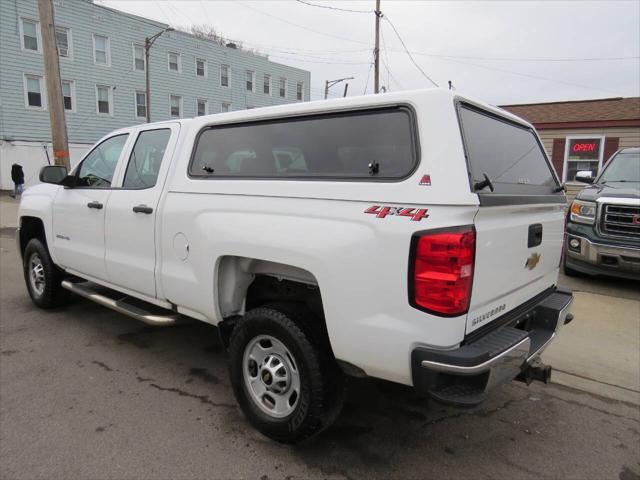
<point>134,308</point>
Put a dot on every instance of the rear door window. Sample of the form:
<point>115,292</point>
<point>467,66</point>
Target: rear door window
<point>375,144</point>
<point>146,158</point>
<point>507,153</point>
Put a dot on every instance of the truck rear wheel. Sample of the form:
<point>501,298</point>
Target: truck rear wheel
<point>287,384</point>
<point>42,276</point>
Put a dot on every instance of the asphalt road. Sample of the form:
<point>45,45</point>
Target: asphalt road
<point>88,393</point>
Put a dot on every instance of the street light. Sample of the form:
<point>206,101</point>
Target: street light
<point>148,42</point>
<point>330,83</point>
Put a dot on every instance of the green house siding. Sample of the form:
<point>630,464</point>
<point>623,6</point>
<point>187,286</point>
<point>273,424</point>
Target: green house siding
<point>86,19</point>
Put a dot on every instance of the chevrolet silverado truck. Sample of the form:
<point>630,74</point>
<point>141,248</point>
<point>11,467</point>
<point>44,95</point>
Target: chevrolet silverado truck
<point>414,237</point>
<point>603,228</point>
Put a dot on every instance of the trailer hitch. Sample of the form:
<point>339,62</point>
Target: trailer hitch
<point>535,370</point>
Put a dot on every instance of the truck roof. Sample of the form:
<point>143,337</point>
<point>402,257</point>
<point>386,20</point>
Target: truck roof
<point>435,95</point>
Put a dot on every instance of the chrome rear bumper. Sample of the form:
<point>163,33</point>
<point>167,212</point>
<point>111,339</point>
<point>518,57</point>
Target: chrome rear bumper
<point>465,375</point>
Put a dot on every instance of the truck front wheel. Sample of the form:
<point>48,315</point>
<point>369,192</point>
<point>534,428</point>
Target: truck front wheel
<point>42,276</point>
<point>288,386</point>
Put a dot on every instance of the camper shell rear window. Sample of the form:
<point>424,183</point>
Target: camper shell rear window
<point>368,145</point>
<point>508,153</point>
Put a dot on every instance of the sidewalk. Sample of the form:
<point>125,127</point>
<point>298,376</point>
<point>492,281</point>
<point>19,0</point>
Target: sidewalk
<point>599,352</point>
<point>8,211</point>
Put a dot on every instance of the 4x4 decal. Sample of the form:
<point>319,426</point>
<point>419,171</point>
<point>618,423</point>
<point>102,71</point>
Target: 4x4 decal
<point>416,214</point>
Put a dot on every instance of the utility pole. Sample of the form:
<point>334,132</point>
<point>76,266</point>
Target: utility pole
<point>330,83</point>
<point>148,43</point>
<point>54,85</point>
<point>376,51</point>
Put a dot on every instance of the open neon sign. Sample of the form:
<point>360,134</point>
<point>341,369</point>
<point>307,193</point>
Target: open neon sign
<point>584,147</point>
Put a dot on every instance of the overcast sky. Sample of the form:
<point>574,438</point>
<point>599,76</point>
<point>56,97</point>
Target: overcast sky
<point>500,52</point>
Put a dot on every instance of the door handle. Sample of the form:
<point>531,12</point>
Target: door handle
<point>142,209</point>
<point>96,205</point>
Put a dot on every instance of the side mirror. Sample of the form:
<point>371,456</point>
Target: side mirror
<point>584,177</point>
<point>53,174</point>
<point>57,175</point>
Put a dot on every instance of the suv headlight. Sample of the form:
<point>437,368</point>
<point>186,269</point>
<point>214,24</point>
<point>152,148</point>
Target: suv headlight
<point>583,212</point>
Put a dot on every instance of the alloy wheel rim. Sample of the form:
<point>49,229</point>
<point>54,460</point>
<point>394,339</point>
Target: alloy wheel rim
<point>36,274</point>
<point>271,376</point>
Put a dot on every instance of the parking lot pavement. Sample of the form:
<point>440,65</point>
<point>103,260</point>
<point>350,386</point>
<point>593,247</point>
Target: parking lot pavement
<point>600,351</point>
<point>88,393</point>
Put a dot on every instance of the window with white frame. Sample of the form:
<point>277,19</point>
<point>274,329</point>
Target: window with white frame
<point>141,104</point>
<point>226,107</point>
<point>251,80</point>
<point>63,39</point>
<point>202,107</point>
<point>69,95</point>
<point>225,75</point>
<point>104,100</point>
<point>583,154</point>
<point>139,61</point>
<point>300,91</point>
<point>101,50</point>
<point>30,34</point>
<point>266,87</point>
<point>174,62</point>
<point>282,87</point>
<point>34,95</point>
<point>175,106</point>
<point>201,68</point>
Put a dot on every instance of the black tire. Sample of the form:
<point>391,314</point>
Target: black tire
<point>321,380</point>
<point>48,293</point>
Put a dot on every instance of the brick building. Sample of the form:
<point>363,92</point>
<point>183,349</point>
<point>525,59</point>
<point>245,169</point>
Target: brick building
<point>582,135</point>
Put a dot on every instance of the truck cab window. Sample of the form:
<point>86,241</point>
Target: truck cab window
<point>97,168</point>
<point>146,158</point>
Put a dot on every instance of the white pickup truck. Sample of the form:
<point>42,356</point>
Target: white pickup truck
<point>413,237</point>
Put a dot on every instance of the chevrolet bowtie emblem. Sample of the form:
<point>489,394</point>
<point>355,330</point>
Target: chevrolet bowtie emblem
<point>532,261</point>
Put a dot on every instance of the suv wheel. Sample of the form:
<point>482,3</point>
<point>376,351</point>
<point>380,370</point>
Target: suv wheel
<point>288,385</point>
<point>42,276</point>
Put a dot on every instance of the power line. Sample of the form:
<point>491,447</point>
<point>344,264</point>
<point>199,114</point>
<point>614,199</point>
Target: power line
<point>366,85</point>
<point>525,59</point>
<point>409,53</point>
<point>300,26</point>
<point>530,76</point>
<point>386,63</point>
<point>334,8</point>
<point>318,61</point>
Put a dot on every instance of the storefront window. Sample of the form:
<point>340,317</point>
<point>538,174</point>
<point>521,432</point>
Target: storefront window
<point>583,154</point>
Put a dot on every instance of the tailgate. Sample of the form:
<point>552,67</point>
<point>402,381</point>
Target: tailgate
<point>520,221</point>
<point>518,251</point>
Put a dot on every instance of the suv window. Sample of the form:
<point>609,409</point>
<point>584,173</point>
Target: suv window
<point>508,153</point>
<point>624,167</point>
<point>96,170</point>
<point>342,145</point>
<point>146,158</point>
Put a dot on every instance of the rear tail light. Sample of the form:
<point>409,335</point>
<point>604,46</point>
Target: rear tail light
<point>441,270</point>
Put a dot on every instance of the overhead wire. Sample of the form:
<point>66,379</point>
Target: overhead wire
<point>366,85</point>
<point>334,8</point>
<point>300,26</point>
<point>409,53</point>
<point>537,77</point>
